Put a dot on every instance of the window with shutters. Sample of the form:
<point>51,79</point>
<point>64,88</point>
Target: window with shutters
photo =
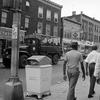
<point>55,31</point>
<point>56,17</point>
<point>26,22</point>
<point>4,17</point>
<point>47,29</point>
<point>48,16</point>
<point>39,27</point>
<point>40,12</point>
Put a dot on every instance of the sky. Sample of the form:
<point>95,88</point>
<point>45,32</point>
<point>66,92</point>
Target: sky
<point>88,7</point>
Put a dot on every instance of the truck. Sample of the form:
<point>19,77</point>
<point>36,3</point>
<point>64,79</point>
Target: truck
<point>34,46</point>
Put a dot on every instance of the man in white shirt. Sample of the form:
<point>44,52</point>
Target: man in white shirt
<point>90,64</point>
<point>97,67</point>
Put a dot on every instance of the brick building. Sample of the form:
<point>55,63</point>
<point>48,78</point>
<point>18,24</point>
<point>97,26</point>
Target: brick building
<point>71,29</point>
<point>90,27</point>
<point>38,16</point>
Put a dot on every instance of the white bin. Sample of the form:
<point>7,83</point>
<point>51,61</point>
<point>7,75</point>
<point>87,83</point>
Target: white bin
<point>38,75</point>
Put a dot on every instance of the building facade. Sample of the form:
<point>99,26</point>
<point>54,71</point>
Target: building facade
<point>90,27</point>
<point>71,30</point>
<point>37,16</point>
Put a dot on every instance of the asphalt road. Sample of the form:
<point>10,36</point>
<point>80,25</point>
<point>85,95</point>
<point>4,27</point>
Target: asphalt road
<point>57,73</point>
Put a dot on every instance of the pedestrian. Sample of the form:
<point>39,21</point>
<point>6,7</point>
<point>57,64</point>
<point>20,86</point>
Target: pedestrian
<point>97,69</point>
<point>90,67</point>
<point>71,69</point>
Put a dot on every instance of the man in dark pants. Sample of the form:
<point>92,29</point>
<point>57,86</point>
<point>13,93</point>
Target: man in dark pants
<point>90,62</point>
<point>71,63</point>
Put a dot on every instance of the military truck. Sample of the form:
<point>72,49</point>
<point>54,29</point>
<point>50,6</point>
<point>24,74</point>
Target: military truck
<point>34,46</point>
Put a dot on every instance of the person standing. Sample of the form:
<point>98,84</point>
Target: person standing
<point>90,67</point>
<point>97,67</point>
<point>71,69</point>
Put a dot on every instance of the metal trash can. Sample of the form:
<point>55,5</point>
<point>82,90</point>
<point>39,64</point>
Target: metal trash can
<point>38,75</point>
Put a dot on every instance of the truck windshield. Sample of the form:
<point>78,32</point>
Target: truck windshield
<point>29,41</point>
<point>50,41</point>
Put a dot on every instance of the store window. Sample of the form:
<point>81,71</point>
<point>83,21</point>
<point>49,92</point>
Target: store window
<point>55,31</point>
<point>48,29</point>
<point>40,12</point>
<point>56,17</point>
<point>26,22</point>
<point>40,27</point>
<point>48,16</point>
<point>4,17</point>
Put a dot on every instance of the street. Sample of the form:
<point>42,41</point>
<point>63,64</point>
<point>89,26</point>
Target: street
<point>59,87</point>
<point>5,74</point>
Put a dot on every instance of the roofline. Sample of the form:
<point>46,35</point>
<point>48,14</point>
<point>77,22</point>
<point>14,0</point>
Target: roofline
<point>65,18</point>
<point>90,18</point>
<point>49,2</point>
<point>54,3</point>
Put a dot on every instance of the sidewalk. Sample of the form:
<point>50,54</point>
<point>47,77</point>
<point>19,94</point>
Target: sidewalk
<point>59,91</point>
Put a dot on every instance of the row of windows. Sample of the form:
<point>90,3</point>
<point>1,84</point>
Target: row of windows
<point>4,16</point>
<point>90,26</point>
<point>39,26</point>
<point>48,29</point>
<point>48,14</point>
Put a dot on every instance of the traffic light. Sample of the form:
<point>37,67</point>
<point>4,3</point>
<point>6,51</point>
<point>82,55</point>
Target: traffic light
<point>12,4</point>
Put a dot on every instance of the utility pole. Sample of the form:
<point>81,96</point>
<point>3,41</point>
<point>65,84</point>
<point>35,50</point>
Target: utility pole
<point>13,87</point>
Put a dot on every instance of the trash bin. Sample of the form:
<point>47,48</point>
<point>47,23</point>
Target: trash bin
<point>38,75</point>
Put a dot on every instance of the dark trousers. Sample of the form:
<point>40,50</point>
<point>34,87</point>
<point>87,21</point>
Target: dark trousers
<point>73,75</point>
<point>92,78</point>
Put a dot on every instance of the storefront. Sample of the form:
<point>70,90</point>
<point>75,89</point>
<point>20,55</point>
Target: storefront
<point>6,37</point>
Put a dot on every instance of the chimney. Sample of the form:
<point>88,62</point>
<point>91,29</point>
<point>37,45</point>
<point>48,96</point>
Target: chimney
<point>81,12</point>
<point>74,13</point>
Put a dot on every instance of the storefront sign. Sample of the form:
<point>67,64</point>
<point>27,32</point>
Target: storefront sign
<point>6,33</point>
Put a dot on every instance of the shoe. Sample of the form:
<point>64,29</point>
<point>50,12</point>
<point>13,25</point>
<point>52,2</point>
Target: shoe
<point>90,96</point>
<point>93,92</point>
<point>75,98</point>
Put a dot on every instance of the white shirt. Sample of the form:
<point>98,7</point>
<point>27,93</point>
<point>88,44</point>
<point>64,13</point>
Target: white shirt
<point>92,57</point>
<point>97,67</point>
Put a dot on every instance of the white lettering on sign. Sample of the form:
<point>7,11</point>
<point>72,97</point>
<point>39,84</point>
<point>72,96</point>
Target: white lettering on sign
<point>14,31</point>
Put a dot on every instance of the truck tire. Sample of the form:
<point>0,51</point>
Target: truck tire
<point>55,59</point>
<point>22,61</point>
<point>7,62</point>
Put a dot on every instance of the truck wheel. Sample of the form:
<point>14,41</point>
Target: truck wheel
<point>55,59</point>
<point>7,62</point>
<point>22,61</point>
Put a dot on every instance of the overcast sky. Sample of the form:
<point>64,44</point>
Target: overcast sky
<point>89,7</point>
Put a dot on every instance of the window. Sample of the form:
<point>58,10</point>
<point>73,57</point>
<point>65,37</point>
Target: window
<point>40,27</point>
<point>56,17</point>
<point>47,29</point>
<point>40,12</point>
<point>26,22</point>
<point>4,17</point>
<point>48,16</point>
<point>27,3</point>
<point>55,31</point>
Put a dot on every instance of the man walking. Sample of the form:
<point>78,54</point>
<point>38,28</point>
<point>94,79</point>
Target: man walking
<point>71,63</point>
<point>90,65</point>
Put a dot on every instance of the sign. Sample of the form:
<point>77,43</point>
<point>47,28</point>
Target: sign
<point>14,31</point>
<point>6,33</point>
<point>75,35</point>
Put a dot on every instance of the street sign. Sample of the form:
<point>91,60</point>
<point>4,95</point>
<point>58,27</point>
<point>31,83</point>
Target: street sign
<point>14,31</point>
<point>75,35</point>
